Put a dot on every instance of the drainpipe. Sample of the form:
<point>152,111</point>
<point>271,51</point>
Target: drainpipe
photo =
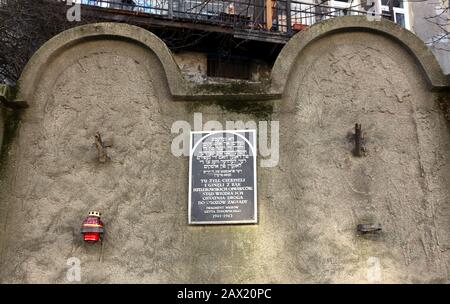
<point>288,16</point>
<point>171,9</point>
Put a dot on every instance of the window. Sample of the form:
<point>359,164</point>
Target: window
<point>234,68</point>
<point>400,19</point>
<point>400,8</point>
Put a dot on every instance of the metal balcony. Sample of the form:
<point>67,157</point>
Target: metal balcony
<point>264,20</point>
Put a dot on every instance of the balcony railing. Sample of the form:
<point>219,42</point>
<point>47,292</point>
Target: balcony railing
<point>284,16</point>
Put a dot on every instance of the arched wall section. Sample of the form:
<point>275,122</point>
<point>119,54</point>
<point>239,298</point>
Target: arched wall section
<point>99,31</point>
<point>422,55</point>
<point>120,80</point>
<point>361,76</point>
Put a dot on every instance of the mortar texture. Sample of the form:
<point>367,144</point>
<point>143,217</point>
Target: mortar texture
<point>309,204</point>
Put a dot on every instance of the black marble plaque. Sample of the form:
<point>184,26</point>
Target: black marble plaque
<point>222,177</point>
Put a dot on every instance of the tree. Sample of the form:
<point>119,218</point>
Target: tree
<point>441,21</point>
<point>24,26</point>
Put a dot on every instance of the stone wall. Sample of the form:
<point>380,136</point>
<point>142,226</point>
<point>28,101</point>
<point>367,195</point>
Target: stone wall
<point>194,68</point>
<point>122,81</point>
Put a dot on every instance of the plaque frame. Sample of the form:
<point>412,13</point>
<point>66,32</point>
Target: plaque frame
<point>255,180</point>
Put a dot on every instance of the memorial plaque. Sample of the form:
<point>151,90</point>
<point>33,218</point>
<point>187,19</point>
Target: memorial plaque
<point>222,177</point>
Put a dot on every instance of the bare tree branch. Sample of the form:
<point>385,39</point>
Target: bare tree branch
<point>24,26</point>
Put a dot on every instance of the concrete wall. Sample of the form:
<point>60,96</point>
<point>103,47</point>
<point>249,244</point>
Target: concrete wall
<point>85,80</point>
<point>363,77</point>
<point>3,95</point>
<point>2,127</point>
<point>194,67</point>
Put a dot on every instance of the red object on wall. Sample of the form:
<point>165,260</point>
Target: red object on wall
<point>92,227</point>
<point>92,236</point>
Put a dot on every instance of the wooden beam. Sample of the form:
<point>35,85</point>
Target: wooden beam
<point>269,14</point>
<point>270,37</point>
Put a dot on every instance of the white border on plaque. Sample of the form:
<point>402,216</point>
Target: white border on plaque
<point>253,150</point>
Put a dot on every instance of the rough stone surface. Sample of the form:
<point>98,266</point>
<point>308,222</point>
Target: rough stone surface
<point>309,205</point>
<point>402,183</point>
<point>417,49</point>
<point>2,126</point>
<point>193,65</point>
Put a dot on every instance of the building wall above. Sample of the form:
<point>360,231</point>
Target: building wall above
<point>122,82</point>
<point>181,89</point>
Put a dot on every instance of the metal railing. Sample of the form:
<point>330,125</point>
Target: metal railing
<point>296,15</point>
<point>239,13</point>
<point>287,16</point>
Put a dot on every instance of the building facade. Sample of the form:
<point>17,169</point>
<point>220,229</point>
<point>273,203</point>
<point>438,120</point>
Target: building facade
<point>431,21</point>
<point>123,82</point>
